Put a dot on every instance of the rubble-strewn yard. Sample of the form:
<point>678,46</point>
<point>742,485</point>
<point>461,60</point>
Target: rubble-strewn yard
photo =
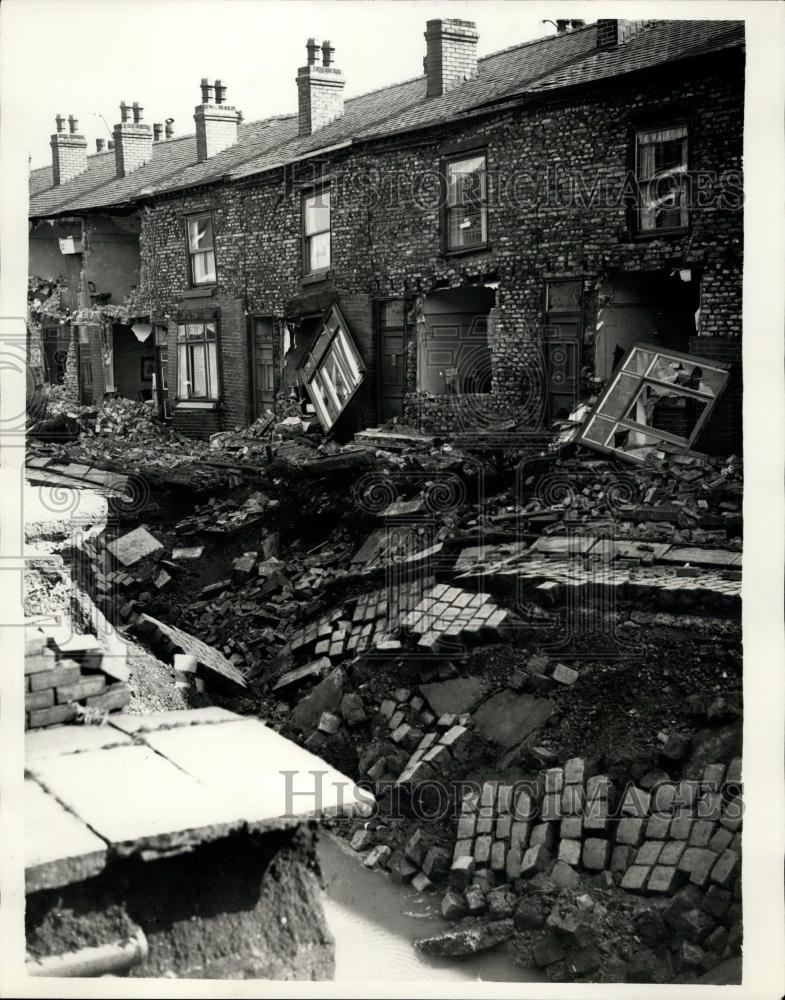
<point>451,626</point>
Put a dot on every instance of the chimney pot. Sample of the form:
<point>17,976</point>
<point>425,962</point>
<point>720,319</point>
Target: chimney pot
<point>169,129</point>
<point>451,54</point>
<point>319,90</point>
<point>99,145</point>
<point>110,144</point>
<point>216,123</point>
<point>69,151</point>
<point>133,141</point>
<point>157,131</point>
<point>612,32</point>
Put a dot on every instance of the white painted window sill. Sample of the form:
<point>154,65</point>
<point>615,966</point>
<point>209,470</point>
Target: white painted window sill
<point>196,404</point>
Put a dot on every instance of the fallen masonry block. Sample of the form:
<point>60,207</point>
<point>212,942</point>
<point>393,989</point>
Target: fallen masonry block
<point>548,951</point>
<point>353,709</point>
<point>414,849</point>
<point>422,883</point>
<point>377,856</point>
<point>664,879</point>
<point>400,868</point>
<point>361,839</point>
<point>596,853</point>
<point>329,724</point>
<point>565,675</point>
<point>475,900</point>
<point>717,901</point>
<point>131,548</point>
<point>436,863</point>
<point>630,831</point>
<point>454,905</point>
<point>635,878</point>
<point>461,872</point>
<point>536,859</point>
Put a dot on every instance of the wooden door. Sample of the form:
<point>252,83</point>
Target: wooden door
<point>392,359</point>
<point>263,361</point>
<point>562,346</point>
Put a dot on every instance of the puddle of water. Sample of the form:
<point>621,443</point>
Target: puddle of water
<point>374,922</point>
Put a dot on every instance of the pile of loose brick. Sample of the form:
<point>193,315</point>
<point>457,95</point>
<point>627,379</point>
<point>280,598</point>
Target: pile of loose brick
<point>65,679</point>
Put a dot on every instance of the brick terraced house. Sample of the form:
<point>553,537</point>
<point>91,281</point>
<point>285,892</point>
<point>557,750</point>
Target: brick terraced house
<point>472,249</point>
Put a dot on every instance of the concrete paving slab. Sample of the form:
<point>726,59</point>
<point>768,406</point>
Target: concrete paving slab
<point>508,718</point>
<point>131,548</point>
<point>272,780</point>
<point>137,800</point>
<point>133,724</point>
<point>58,740</point>
<point>59,848</point>
<point>455,696</point>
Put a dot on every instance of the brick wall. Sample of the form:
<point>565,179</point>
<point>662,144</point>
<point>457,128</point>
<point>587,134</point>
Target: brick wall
<point>133,146</point>
<point>557,174</point>
<point>320,97</point>
<point>723,432</point>
<point>216,129</point>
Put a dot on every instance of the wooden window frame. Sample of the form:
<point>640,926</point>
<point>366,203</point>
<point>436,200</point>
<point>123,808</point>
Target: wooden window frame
<point>190,255</point>
<point>312,192</point>
<point>446,162</point>
<point>652,125</point>
<point>207,399</point>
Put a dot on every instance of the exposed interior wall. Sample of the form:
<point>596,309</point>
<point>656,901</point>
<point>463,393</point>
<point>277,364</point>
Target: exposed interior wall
<point>128,356</point>
<point>654,307</point>
<point>111,257</point>
<point>45,259</point>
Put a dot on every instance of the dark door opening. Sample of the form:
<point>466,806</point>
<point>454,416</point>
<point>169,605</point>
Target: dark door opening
<point>392,358</point>
<point>263,365</point>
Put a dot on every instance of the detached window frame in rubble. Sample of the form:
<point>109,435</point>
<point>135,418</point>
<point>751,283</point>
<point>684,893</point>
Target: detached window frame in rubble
<point>334,352</point>
<point>659,438</point>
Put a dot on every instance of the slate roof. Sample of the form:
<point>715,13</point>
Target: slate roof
<point>536,67</point>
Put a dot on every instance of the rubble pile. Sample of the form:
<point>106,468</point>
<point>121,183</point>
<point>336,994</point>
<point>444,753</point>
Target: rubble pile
<point>70,678</point>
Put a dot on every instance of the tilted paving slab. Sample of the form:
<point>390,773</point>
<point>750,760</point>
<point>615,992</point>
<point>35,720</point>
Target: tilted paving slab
<point>137,800</point>
<point>59,848</point>
<point>133,724</point>
<point>129,549</point>
<point>41,743</point>
<point>507,718</point>
<point>247,762</point>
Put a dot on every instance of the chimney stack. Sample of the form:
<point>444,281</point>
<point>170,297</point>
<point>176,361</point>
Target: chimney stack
<point>216,122</point>
<point>157,131</point>
<point>319,89</point>
<point>133,141</point>
<point>451,54</point>
<point>69,151</point>
<point>611,32</point>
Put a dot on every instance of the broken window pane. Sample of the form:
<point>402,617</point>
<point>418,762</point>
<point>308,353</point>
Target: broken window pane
<point>201,249</point>
<point>658,399</point>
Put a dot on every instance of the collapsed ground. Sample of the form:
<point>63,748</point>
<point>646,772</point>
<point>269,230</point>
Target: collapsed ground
<point>308,564</point>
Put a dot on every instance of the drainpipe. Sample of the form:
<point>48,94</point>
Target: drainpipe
<point>103,960</point>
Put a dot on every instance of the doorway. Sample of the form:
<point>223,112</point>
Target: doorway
<point>392,358</point>
<point>263,365</point>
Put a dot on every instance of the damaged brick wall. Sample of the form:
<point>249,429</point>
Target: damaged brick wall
<point>547,167</point>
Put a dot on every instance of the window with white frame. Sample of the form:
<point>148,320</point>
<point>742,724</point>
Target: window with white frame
<point>197,361</point>
<point>333,369</point>
<point>661,171</point>
<point>201,249</point>
<point>466,203</point>
<point>316,231</point>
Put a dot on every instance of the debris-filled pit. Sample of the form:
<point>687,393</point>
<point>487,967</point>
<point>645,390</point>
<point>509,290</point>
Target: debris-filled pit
<point>533,660</point>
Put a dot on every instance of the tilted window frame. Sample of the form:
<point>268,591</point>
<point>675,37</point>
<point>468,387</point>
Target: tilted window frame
<point>448,162</point>
<point>662,438</point>
<point>334,342</point>
<point>195,217</point>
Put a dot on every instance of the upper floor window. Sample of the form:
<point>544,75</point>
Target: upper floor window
<point>661,170</point>
<point>466,204</point>
<point>316,231</point>
<point>201,249</point>
<point>197,361</point>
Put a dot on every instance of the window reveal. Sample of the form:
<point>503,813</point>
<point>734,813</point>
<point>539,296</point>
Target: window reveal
<point>197,361</point>
<point>316,230</point>
<point>466,204</point>
<point>201,250</point>
<point>661,168</point>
